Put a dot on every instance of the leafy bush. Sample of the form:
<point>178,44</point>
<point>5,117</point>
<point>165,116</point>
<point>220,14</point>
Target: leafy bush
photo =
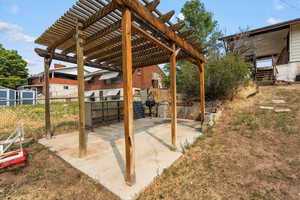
<point>225,75</point>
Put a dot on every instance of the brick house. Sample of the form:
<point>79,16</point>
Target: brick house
<point>62,79</point>
<point>108,85</point>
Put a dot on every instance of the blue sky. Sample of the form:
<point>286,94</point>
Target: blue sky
<point>21,21</point>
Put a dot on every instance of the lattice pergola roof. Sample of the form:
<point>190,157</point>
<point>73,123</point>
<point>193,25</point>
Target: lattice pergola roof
<point>153,34</point>
<point>119,35</point>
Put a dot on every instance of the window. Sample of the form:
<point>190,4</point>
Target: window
<point>66,87</point>
<point>113,80</point>
<point>264,63</point>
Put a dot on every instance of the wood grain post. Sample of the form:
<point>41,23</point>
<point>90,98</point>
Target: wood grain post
<point>173,97</point>
<point>128,99</point>
<point>47,63</point>
<point>202,92</point>
<point>81,99</point>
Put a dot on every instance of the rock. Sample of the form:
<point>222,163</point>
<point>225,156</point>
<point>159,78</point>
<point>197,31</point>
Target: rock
<point>278,101</point>
<point>283,110</point>
<point>266,107</point>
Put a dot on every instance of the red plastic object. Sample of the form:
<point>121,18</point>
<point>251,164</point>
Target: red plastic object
<point>12,159</point>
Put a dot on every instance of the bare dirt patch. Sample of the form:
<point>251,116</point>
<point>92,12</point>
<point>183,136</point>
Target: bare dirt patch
<point>250,154</point>
<point>48,177</point>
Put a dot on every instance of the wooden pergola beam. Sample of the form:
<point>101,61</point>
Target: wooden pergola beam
<point>96,36</point>
<point>81,97</point>
<point>178,26</point>
<point>137,55</point>
<point>47,63</point>
<point>128,97</point>
<point>105,53</point>
<point>202,92</point>
<point>166,17</point>
<point>92,53</point>
<point>139,50</point>
<point>70,59</point>
<point>91,20</point>
<point>173,97</point>
<point>158,24</point>
<point>149,37</point>
<point>152,6</point>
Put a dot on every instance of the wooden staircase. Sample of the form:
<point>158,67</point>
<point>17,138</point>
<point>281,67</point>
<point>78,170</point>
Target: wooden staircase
<point>265,76</point>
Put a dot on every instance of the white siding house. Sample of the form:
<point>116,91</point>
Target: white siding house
<point>295,43</point>
<point>278,44</point>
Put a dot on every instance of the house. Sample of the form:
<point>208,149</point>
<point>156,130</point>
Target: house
<point>274,50</point>
<point>105,85</point>
<point>62,79</point>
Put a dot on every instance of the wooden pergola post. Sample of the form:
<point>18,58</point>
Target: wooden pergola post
<point>202,92</point>
<point>128,101</point>
<point>81,98</point>
<point>173,97</point>
<point>47,63</point>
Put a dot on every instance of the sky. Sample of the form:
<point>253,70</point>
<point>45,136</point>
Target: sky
<point>22,21</point>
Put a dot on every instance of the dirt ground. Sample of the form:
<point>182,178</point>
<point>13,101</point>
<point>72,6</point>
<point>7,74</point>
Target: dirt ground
<point>47,177</point>
<point>250,154</point>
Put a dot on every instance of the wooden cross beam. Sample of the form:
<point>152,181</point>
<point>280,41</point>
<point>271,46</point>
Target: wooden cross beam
<point>70,59</point>
<point>151,38</point>
<point>158,24</point>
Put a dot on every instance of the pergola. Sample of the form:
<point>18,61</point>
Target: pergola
<point>119,35</point>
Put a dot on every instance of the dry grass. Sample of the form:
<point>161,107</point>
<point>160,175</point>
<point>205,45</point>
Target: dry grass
<point>250,154</point>
<point>63,117</point>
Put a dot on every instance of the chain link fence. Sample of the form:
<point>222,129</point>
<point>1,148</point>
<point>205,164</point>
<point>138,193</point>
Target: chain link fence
<point>64,117</point>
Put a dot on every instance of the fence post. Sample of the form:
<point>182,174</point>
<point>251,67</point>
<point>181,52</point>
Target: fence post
<point>118,105</point>
<point>102,111</point>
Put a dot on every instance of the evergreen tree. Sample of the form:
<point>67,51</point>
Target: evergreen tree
<point>197,18</point>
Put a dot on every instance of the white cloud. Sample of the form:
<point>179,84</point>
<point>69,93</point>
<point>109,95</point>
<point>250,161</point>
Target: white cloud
<point>180,16</point>
<point>14,9</point>
<point>6,27</point>
<point>14,32</point>
<point>278,5</point>
<point>273,20</point>
<point>34,64</point>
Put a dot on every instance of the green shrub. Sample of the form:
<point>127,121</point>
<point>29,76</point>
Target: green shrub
<point>223,76</point>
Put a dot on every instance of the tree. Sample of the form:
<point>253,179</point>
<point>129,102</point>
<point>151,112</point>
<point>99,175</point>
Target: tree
<point>205,28</point>
<point>223,73</point>
<point>240,44</point>
<point>197,18</point>
<point>13,71</point>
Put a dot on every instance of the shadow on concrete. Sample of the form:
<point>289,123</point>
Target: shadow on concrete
<point>115,132</point>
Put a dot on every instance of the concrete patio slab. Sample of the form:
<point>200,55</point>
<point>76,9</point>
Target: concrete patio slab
<point>106,146</point>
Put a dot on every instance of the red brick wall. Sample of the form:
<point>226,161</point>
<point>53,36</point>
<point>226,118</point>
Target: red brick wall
<point>61,81</point>
<point>142,78</point>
